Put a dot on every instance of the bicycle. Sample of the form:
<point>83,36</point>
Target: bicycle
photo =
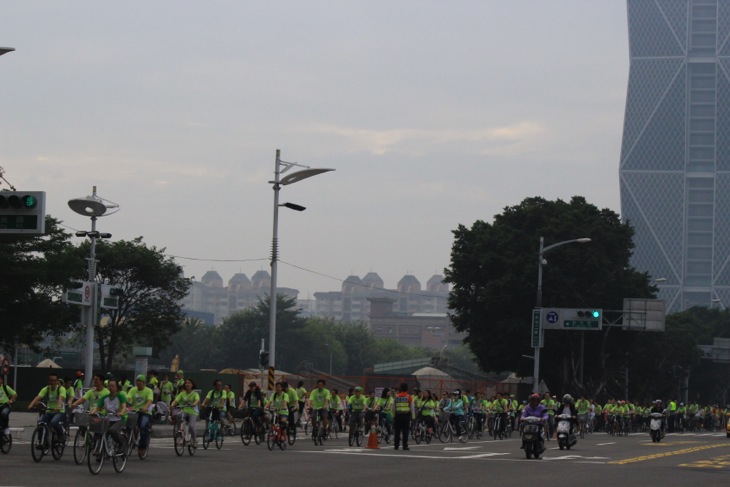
<point>355,432</point>
<point>133,434</point>
<point>213,431</point>
<point>383,429</point>
<point>250,429</point>
<point>276,434</point>
<point>422,432</point>
<point>45,439</point>
<point>318,432</point>
<point>182,436</point>
<point>82,440</point>
<point>447,431</point>
<point>6,440</point>
<point>103,447</point>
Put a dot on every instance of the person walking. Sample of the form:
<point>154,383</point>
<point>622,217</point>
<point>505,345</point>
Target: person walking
<point>403,413</point>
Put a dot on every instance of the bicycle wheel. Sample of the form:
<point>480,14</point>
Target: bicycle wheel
<point>260,435</point>
<point>207,436</point>
<point>358,437</point>
<point>6,444</point>
<point>351,437</point>
<point>57,446</point>
<point>119,459</point>
<point>192,447</point>
<point>270,439</point>
<point>179,442</point>
<point>219,438</point>
<point>246,431</point>
<point>291,436</point>
<point>282,444</point>
<point>81,445</point>
<point>442,432</point>
<point>39,443</point>
<point>95,455</point>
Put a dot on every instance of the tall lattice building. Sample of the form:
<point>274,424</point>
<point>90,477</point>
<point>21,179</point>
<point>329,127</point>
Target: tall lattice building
<point>675,156</point>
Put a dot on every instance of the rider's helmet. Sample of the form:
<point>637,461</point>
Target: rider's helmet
<point>658,402</point>
<point>568,398</point>
<point>456,393</point>
<point>535,397</point>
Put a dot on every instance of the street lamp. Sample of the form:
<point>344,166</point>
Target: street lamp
<point>541,262</point>
<point>93,207</point>
<point>278,182</point>
<point>5,50</point>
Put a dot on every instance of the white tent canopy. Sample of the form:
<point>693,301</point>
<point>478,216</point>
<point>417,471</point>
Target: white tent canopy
<point>48,364</point>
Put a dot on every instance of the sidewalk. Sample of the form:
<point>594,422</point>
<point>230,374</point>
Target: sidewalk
<point>22,424</point>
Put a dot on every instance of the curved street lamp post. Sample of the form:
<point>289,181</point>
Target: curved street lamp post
<point>277,183</point>
<point>538,304</point>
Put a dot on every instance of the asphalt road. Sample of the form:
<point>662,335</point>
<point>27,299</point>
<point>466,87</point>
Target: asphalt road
<point>687,459</point>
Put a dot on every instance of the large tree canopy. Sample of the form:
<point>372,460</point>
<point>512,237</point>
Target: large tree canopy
<point>493,274</point>
<point>33,271</point>
<point>149,310</point>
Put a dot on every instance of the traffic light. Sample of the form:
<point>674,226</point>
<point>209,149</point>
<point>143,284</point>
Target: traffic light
<point>116,292</point>
<point>22,212</point>
<point>263,359</point>
<point>591,314</point>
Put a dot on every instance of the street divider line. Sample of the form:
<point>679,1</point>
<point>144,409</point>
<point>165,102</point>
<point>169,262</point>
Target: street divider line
<point>666,454</point>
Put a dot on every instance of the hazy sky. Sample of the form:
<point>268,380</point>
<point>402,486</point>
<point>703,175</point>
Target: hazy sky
<point>433,114</point>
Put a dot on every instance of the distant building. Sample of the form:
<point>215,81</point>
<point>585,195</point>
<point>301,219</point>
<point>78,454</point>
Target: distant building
<point>675,156</point>
<point>430,330</point>
<point>349,304</point>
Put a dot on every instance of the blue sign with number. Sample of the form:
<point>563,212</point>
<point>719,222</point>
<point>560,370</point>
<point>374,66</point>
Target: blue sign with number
<point>552,317</point>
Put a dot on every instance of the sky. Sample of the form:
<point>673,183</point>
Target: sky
<point>432,113</point>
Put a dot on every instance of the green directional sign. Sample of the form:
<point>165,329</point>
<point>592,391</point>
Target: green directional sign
<point>536,328</point>
<point>582,324</point>
<point>72,297</point>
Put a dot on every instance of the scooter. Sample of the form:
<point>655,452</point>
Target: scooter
<point>655,427</point>
<point>533,441</point>
<point>566,439</point>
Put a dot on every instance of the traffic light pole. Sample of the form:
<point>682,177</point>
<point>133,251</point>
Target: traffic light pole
<point>90,311</point>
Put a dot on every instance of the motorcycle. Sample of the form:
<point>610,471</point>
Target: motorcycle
<point>655,427</point>
<point>566,438</point>
<point>533,441</point>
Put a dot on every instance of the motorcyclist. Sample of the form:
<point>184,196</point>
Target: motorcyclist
<point>536,409</point>
<point>567,407</point>
<point>658,407</point>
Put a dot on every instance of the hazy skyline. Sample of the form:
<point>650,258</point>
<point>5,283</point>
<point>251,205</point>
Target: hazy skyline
<point>433,114</point>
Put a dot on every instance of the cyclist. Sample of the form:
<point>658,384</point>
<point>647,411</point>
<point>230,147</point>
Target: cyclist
<point>154,383</point>
<point>319,400</point>
<point>370,403</point>
<point>337,408</point>
<point>501,407</point>
<point>230,402</point>
<point>167,388</point>
<point>217,399</point>
<point>114,406</point>
<point>279,404</point>
<point>429,408</point>
<point>357,405</point>
<point>55,396</point>
<point>456,410</point>
<point>141,399</point>
<point>301,399</point>
<point>549,404</point>
<point>179,382</point>
<point>92,395</point>
<point>293,400</point>
<point>384,408</point>
<point>79,384</point>
<point>583,407</point>
<point>477,411</point>
<point>188,400</point>
<point>253,401</point>
<point>7,398</point>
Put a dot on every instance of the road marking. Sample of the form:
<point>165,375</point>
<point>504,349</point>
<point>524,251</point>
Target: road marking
<point>604,444</point>
<point>667,454</point>
<point>717,462</point>
<point>576,457</point>
<point>458,448</point>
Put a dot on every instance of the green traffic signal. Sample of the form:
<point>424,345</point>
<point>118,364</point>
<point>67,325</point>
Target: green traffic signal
<point>596,313</point>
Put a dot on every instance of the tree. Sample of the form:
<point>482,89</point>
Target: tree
<point>493,273</point>
<point>152,287</point>
<point>35,269</point>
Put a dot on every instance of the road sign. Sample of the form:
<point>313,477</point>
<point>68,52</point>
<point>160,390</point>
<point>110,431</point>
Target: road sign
<point>82,295</point>
<point>572,318</point>
<point>536,328</point>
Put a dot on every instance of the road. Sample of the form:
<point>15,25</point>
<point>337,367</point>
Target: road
<point>687,459</point>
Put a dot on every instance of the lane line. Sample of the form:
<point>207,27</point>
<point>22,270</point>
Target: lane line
<point>666,454</point>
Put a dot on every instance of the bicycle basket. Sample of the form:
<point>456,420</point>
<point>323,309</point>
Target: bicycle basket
<point>132,418</point>
<point>98,424</point>
<point>81,419</point>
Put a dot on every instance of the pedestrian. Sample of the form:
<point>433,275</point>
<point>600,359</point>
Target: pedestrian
<point>403,412</point>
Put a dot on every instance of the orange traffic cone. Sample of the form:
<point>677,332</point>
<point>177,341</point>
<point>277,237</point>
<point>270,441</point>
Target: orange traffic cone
<point>373,439</point>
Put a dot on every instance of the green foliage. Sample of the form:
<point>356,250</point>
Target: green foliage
<point>152,287</point>
<point>34,270</point>
<point>493,274</point>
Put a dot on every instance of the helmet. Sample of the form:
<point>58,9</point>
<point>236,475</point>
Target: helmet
<point>455,393</point>
<point>567,398</point>
<point>358,389</point>
<point>109,375</point>
<point>79,374</point>
<point>535,397</point>
<point>658,401</point>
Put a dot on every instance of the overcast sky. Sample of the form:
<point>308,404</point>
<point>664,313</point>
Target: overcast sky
<point>433,114</point>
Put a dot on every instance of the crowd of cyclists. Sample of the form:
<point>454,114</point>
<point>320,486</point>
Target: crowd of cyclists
<point>448,414</point>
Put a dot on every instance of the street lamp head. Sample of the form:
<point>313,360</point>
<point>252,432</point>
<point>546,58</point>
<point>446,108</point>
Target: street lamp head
<point>583,240</point>
<point>294,206</point>
<point>5,50</point>
<point>303,174</point>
